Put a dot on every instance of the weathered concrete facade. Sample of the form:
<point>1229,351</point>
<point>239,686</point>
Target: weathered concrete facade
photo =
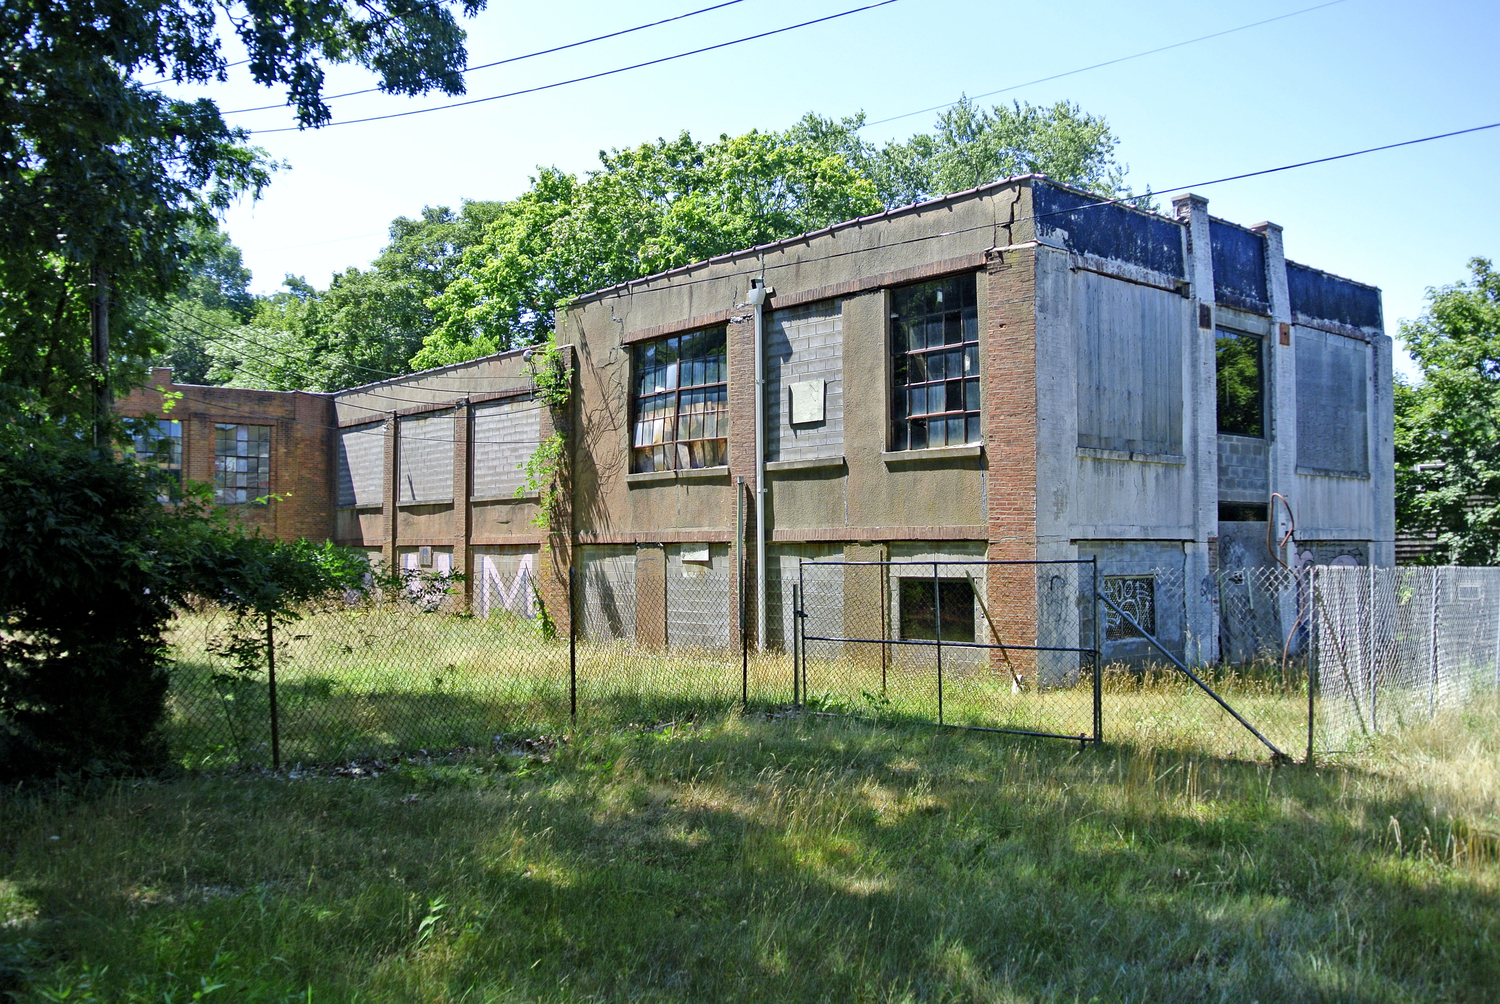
<point>1076,416</point>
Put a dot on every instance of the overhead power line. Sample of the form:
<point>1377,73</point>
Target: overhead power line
<point>591,76</point>
<point>1110,62</point>
<point>517,59</point>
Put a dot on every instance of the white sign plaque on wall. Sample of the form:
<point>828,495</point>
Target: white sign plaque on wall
<point>807,402</point>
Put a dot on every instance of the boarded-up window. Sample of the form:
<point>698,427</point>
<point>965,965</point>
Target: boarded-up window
<point>1136,595</point>
<point>425,447</point>
<point>506,433</point>
<point>1332,409</point>
<point>1129,365</point>
<point>361,469</point>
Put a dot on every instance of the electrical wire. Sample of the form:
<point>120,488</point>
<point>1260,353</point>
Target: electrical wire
<point>517,59</point>
<point>1107,62</point>
<point>591,76</point>
<point>620,289</point>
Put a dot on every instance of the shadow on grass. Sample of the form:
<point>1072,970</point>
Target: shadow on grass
<point>794,860</point>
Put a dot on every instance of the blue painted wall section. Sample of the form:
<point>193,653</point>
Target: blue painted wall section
<point>1239,257</point>
<point>1318,294</point>
<point>1108,231</point>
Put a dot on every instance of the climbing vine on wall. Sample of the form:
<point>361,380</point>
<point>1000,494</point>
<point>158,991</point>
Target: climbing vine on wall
<point>553,380</point>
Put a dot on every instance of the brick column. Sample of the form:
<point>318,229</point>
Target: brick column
<point>1008,361</point>
<point>740,346</point>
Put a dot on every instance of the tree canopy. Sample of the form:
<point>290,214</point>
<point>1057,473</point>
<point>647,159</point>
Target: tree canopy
<point>105,179</point>
<point>1448,425</point>
<point>673,202</point>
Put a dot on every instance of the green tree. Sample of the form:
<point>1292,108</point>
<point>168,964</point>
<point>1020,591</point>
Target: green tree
<point>365,326</point>
<point>104,179</point>
<point>1448,425</point>
<point>673,202</point>
<point>647,208</point>
<point>95,567</point>
<point>215,299</point>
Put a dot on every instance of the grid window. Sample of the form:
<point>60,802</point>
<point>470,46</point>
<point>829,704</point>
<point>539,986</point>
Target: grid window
<point>681,403</point>
<point>242,463</point>
<point>160,444</point>
<point>935,364</point>
<point>955,604</point>
<point>1241,384</point>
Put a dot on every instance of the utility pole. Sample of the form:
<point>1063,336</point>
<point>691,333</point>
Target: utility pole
<point>99,314</point>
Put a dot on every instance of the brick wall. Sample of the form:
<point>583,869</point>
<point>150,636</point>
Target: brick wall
<point>302,429</point>
<point>1008,359</point>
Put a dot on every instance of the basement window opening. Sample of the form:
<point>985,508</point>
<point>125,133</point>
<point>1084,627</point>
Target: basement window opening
<point>955,603</point>
<point>680,403</point>
<point>935,364</point>
<point>1136,595</point>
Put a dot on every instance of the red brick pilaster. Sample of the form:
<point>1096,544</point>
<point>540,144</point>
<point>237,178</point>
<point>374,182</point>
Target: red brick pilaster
<point>1008,350</point>
<point>740,344</point>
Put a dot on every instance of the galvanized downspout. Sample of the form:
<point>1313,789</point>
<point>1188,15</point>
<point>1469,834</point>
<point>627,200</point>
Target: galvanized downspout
<point>757,299</point>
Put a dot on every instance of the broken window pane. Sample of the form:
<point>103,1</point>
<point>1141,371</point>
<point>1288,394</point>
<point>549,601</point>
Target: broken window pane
<point>935,344</point>
<point>1241,384</point>
<point>681,405</point>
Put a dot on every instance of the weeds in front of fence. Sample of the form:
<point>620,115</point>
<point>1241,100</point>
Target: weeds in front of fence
<point>796,859</point>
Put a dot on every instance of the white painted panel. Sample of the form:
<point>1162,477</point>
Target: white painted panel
<point>505,580</point>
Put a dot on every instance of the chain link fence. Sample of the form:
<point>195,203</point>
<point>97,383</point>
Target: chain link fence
<point>1007,646</point>
<point>1394,646</point>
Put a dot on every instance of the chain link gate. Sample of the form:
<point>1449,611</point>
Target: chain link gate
<point>999,646</point>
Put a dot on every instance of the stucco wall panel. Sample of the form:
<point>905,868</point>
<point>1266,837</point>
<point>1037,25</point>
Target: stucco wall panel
<point>425,522</point>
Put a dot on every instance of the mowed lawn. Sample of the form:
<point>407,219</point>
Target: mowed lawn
<point>774,859</point>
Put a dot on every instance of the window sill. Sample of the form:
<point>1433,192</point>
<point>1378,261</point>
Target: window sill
<point>413,505</point>
<point>509,497</point>
<point>1140,458</point>
<point>650,477</point>
<point>971,451</point>
<point>691,474</point>
<point>362,508</point>
<point>773,466</point>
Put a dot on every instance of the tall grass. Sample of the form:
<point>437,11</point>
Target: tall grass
<point>790,858</point>
<point>376,680</point>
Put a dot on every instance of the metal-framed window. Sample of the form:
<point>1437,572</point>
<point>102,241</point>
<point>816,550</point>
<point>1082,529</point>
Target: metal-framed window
<point>160,444</point>
<point>1240,377</point>
<point>680,403</point>
<point>935,364</point>
<point>242,463</point>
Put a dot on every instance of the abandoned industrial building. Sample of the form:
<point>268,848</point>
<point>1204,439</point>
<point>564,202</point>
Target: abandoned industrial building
<point>1021,371</point>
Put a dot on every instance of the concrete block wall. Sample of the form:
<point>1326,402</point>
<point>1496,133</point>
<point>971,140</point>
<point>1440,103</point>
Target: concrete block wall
<point>805,343</point>
<point>1244,475</point>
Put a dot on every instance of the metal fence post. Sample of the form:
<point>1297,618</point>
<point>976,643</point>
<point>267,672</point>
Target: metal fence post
<point>1312,651</point>
<point>1098,669</point>
<point>1432,649</point>
<point>271,692</point>
<point>572,643</point>
<point>796,636</point>
<point>937,630</point>
<point>1370,647</point>
<point>1495,587</point>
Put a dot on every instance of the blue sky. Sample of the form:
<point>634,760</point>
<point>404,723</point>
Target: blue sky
<point>1354,74</point>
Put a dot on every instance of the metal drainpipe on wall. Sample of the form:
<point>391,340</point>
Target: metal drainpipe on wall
<point>757,299</point>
